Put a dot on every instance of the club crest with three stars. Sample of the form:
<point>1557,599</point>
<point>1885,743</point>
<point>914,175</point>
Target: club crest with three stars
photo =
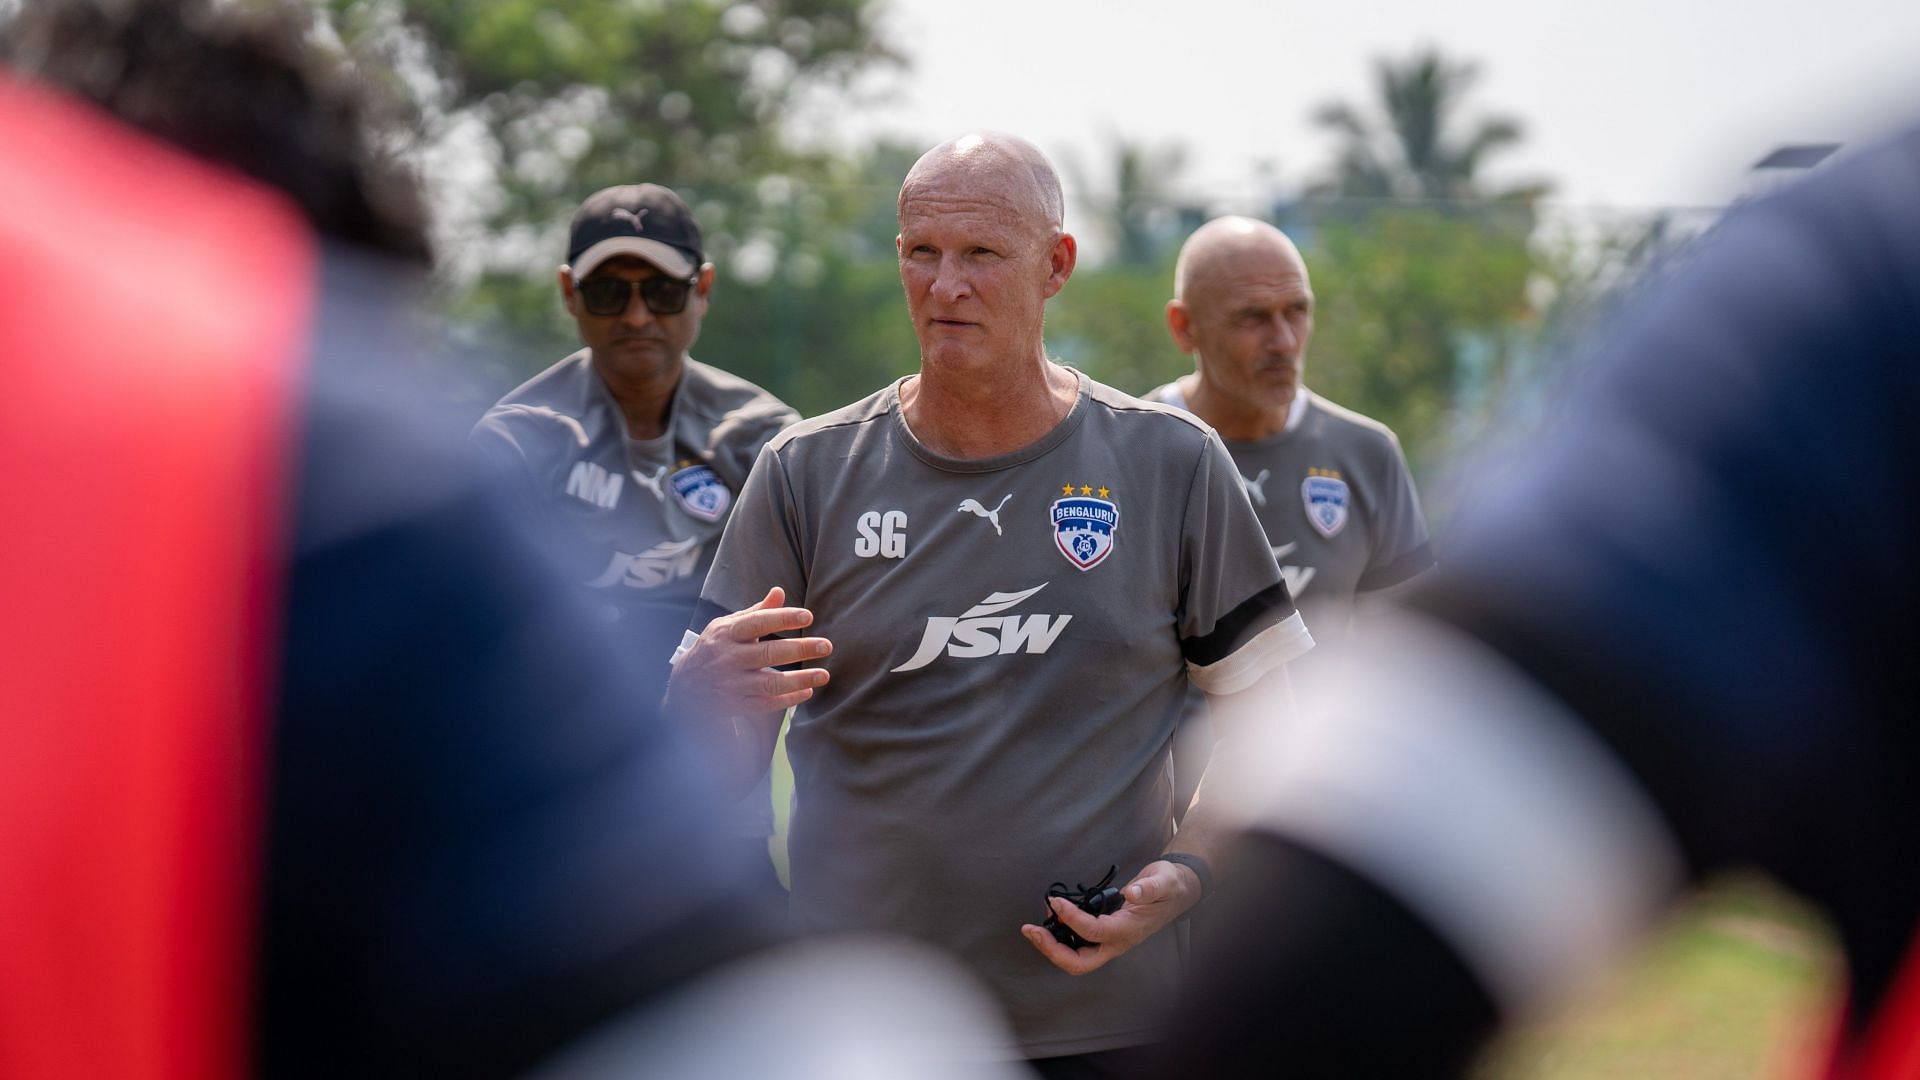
<point>700,491</point>
<point>1326,496</point>
<point>1084,524</point>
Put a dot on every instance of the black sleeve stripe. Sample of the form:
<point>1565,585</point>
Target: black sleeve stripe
<point>1409,565</point>
<point>1271,605</point>
<point>704,612</point>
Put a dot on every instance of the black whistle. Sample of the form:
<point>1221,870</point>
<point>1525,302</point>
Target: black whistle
<point>1102,899</point>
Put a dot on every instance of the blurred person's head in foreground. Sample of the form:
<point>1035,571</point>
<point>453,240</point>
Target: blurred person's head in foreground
<point>242,85</point>
<point>1673,638</point>
<point>325,779</point>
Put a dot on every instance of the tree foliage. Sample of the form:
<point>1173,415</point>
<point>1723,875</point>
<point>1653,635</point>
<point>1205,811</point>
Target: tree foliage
<point>1110,322</point>
<point>560,100</point>
<point>1136,203</point>
<point>1417,310</point>
<point>591,93</point>
<point>1422,267</point>
<point>1413,142</point>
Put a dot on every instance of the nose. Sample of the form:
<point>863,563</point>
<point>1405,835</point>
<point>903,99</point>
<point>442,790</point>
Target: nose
<point>636,315</point>
<point>949,280</point>
<point>1281,335</point>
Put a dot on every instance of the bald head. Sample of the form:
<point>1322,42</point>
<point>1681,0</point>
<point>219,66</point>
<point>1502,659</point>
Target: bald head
<point>1004,168</point>
<point>1225,247</point>
<point>1243,308</point>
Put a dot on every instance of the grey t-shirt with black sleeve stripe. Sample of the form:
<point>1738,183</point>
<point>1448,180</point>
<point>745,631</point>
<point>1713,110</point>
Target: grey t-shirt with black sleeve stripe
<point>1013,638</point>
<point>636,521</point>
<point>1337,502</point>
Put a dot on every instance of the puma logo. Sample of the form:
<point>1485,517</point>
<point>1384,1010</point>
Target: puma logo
<point>652,483</point>
<point>972,506</point>
<point>1256,488</point>
<point>639,219</point>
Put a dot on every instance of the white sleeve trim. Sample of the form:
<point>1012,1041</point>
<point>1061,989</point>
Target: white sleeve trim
<point>1278,644</point>
<point>687,640</point>
<point>1445,775</point>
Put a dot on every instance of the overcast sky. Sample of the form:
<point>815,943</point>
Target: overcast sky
<point>1629,104</point>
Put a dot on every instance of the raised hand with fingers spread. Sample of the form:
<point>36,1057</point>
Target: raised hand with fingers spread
<point>728,679</point>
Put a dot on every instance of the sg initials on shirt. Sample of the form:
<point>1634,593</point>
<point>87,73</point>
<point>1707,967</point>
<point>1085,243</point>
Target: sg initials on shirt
<point>882,535</point>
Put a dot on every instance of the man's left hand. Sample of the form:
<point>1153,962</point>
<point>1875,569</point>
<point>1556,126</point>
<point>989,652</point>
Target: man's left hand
<point>1160,893</point>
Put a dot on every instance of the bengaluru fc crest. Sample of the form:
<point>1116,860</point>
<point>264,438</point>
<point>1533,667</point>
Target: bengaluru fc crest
<point>1083,528</point>
<point>1326,498</point>
<point>701,493</point>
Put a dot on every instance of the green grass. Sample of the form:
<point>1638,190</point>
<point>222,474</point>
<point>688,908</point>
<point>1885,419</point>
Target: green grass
<point>1742,984</point>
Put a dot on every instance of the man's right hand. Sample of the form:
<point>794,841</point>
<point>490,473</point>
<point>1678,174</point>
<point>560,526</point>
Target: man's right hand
<point>730,672</point>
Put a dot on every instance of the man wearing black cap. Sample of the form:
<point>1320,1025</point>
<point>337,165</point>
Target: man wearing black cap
<point>628,453</point>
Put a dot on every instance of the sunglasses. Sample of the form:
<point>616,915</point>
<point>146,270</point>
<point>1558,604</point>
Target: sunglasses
<point>605,296</point>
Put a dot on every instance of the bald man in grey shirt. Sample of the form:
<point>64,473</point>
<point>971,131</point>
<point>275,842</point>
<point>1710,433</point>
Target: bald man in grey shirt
<point>1010,574</point>
<point>1330,486</point>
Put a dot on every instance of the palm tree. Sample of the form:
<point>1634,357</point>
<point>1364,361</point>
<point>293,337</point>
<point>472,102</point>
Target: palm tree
<point>1410,149</point>
<point>1135,205</point>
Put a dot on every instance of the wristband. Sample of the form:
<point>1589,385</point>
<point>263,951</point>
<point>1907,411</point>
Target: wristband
<point>1199,867</point>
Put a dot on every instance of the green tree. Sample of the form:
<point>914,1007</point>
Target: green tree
<point>1109,322</point>
<point>1134,204</point>
<point>557,101</point>
<point>817,314</point>
<point>1418,312</point>
<point>1422,267</point>
<point>591,93</point>
<point>1411,144</point>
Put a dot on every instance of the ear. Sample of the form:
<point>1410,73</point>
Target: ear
<point>1180,324</point>
<point>702,289</point>
<point>1061,260</point>
<point>569,295</point>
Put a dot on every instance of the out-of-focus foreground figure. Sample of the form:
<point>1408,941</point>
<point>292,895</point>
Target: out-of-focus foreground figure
<point>308,765</point>
<point>1675,637</point>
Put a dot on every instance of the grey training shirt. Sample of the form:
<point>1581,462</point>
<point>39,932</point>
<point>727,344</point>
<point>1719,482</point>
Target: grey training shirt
<point>1337,502</point>
<point>1013,638</point>
<point>635,521</point>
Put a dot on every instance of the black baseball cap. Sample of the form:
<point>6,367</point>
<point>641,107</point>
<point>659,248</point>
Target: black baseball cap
<point>646,220</point>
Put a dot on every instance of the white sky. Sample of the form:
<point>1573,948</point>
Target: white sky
<point>1628,104</point>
